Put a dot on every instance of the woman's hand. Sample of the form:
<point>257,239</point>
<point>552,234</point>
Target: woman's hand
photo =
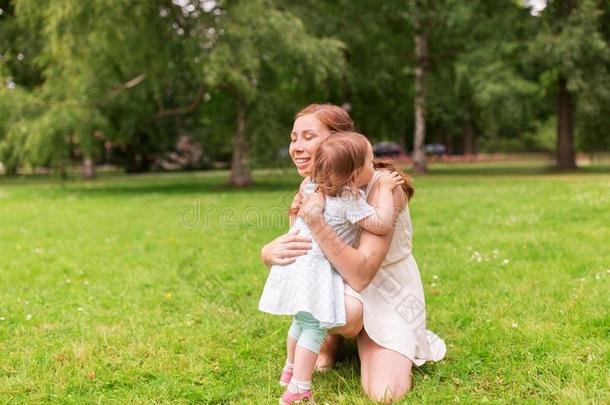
<point>284,249</point>
<point>312,208</point>
<point>391,180</point>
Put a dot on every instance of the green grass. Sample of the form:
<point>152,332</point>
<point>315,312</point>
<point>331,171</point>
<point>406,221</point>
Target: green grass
<point>106,297</point>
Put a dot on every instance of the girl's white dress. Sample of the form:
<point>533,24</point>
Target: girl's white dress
<point>310,284</point>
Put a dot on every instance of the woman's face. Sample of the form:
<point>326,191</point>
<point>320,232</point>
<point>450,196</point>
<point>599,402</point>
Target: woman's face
<point>307,133</point>
<point>365,174</point>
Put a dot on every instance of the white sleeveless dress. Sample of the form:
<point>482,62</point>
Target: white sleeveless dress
<point>394,305</point>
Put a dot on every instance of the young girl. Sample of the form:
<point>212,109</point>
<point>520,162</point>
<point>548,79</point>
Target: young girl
<point>309,288</point>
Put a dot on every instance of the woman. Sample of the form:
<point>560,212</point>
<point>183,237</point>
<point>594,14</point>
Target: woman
<point>384,300</point>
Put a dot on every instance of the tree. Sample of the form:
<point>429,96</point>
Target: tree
<point>575,52</point>
<point>256,40</point>
<point>421,62</point>
<point>108,73</point>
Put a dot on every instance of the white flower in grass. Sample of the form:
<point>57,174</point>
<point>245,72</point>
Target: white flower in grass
<point>86,282</point>
<point>38,251</point>
<point>514,325</point>
<point>28,317</point>
<point>433,285</point>
<point>435,277</point>
<point>80,309</point>
<point>505,262</point>
<point>476,257</point>
<point>2,318</point>
<point>495,253</point>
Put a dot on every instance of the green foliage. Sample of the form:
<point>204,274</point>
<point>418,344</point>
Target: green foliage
<point>574,43</point>
<point>134,75</point>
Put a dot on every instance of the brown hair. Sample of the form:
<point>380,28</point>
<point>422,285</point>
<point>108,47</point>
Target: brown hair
<point>335,118</point>
<point>337,159</point>
<point>408,186</point>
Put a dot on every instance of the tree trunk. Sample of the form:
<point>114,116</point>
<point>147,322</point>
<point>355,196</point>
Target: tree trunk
<point>88,168</point>
<point>421,59</point>
<point>566,158</point>
<point>61,169</point>
<point>240,169</point>
<point>470,146</point>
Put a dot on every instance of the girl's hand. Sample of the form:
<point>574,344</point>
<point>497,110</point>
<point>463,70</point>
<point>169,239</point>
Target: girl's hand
<point>312,208</point>
<point>285,248</point>
<point>391,180</point>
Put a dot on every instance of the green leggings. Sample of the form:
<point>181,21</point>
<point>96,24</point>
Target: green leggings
<point>306,330</point>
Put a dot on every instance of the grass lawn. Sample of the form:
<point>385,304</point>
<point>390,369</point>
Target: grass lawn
<point>144,289</point>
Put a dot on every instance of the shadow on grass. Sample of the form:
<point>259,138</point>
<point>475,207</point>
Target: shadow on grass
<point>508,170</point>
<point>185,183</point>
<point>268,180</point>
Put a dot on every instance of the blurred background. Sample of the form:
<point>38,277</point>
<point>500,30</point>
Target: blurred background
<point>138,86</point>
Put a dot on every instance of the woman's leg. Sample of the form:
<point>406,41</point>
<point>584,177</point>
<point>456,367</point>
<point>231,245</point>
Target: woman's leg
<point>386,374</point>
<point>353,319</point>
<point>353,326</point>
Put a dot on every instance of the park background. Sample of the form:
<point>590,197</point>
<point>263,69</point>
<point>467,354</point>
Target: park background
<point>143,164</point>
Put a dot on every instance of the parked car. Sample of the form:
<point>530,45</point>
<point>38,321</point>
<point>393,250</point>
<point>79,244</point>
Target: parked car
<point>437,149</point>
<point>387,149</point>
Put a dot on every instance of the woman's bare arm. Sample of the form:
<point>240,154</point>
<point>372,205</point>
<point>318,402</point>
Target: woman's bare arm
<point>284,249</point>
<point>356,266</point>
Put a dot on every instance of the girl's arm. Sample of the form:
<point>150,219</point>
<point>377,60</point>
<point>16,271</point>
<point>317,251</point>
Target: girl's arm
<point>356,266</point>
<point>384,219</point>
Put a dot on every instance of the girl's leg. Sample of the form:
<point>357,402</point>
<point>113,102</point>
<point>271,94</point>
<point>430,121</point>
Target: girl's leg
<point>304,362</point>
<point>291,344</point>
<point>305,354</point>
<point>353,326</point>
<point>308,346</point>
<point>386,374</point>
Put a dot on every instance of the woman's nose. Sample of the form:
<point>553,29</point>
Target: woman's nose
<point>298,145</point>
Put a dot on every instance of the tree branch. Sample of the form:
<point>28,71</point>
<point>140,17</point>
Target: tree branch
<point>180,110</point>
<point>112,93</point>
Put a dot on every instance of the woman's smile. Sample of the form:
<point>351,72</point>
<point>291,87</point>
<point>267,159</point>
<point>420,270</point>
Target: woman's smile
<point>301,162</point>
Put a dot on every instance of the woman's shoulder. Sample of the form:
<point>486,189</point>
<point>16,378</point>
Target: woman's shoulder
<point>400,198</point>
<point>307,186</point>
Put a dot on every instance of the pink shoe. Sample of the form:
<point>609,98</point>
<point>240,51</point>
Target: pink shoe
<point>289,398</point>
<point>285,377</point>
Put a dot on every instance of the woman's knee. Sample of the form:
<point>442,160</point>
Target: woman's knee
<point>387,392</point>
<point>353,318</point>
<point>386,374</point>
